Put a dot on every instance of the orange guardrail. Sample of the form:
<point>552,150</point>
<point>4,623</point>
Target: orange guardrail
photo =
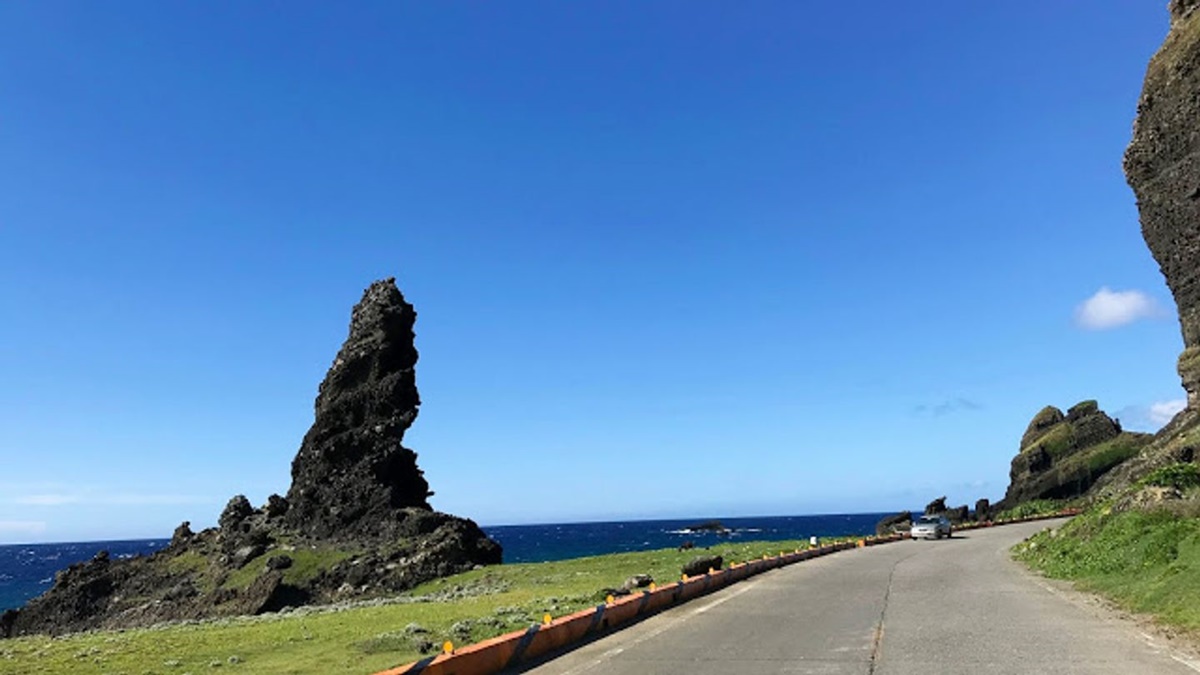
<point>511,649</point>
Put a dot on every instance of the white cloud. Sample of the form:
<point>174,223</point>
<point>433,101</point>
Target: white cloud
<point>1160,413</point>
<point>1110,309</point>
<point>22,527</point>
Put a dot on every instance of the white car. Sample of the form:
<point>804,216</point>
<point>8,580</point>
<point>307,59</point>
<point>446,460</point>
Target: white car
<point>931,527</point>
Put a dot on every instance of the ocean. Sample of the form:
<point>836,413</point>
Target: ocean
<point>27,570</point>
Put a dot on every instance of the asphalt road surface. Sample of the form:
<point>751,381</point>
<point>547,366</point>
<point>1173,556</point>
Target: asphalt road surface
<point>957,606</point>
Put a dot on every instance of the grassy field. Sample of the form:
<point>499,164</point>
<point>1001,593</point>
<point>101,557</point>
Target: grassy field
<point>1148,562</point>
<point>367,637</point>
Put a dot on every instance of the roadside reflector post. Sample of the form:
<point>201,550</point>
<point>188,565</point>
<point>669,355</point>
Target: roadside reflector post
<point>447,647</point>
<point>546,619</point>
<point>812,541</point>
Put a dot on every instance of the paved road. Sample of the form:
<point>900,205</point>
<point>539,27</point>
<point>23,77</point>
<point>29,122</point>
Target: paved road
<point>954,606</point>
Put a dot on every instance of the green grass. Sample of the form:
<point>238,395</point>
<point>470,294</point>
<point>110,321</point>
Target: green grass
<point>1057,441</point>
<point>1037,507</point>
<point>1180,476</point>
<point>464,608</point>
<point>307,563</point>
<point>1147,562</point>
<point>1108,454</point>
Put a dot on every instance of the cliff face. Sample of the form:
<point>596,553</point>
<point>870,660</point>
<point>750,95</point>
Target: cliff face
<point>1063,455</point>
<point>356,523</point>
<point>1162,165</point>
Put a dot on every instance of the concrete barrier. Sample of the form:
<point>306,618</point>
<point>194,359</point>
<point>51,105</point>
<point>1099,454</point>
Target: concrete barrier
<point>508,650</point>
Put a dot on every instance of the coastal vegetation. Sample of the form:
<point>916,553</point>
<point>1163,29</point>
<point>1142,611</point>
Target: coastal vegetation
<point>368,636</point>
<point>1035,508</point>
<point>1146,561</point>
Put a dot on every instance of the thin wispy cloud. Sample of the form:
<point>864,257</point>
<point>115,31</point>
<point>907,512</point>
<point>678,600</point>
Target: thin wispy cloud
<point>1162,412</point>
<point>948,406</point>
<point>1112,309</point>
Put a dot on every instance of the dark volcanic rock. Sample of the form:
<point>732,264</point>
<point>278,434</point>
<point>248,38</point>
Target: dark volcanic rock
<point>352,473</point>
<point>182,535</point>
<point>983,510</point>
<point>275,507</point>
<point>637,581</point>
<point>1062,456</point>
<point>709,526</point>
<point>1162,165</point>
<point>936,507</point>
<point>960,514</point>
<point>358,508</point>
<point>701,565</point>
<point>901,522</point>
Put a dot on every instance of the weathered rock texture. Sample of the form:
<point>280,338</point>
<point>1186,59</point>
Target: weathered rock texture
<point>356,523</point>
<point>900,522</point>
<point>936,507</point>
<point>352,473</point>
<point>1162,165</point>
<point>983,510</point>
<point>1062,455</point>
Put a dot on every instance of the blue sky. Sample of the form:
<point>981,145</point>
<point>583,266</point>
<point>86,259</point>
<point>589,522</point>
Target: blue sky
<point>669,258</point>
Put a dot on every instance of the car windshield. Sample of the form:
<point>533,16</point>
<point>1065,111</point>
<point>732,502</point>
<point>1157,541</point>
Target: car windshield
<point>927,520</point>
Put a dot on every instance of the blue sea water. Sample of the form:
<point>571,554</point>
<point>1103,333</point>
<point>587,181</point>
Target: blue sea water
<point>27,570</point>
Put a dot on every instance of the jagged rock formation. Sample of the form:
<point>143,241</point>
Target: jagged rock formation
<point>352,473</point>
<point>356,523</point>
<point>1062,455</point>
<point>900,522</point>
<point>983,510</point>
<point>1162,165</point>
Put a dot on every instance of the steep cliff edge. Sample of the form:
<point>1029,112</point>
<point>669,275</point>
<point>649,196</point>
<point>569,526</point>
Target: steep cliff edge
<point>356,522</point>
<point>1162,165</point>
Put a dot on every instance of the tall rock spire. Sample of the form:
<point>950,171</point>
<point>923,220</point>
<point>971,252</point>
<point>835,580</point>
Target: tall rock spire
<point>352,473</point>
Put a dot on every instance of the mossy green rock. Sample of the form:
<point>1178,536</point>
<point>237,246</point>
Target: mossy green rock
<point>1062,456</point>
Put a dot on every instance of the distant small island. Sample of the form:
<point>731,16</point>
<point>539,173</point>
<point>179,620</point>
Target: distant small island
<point>709,526</point>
